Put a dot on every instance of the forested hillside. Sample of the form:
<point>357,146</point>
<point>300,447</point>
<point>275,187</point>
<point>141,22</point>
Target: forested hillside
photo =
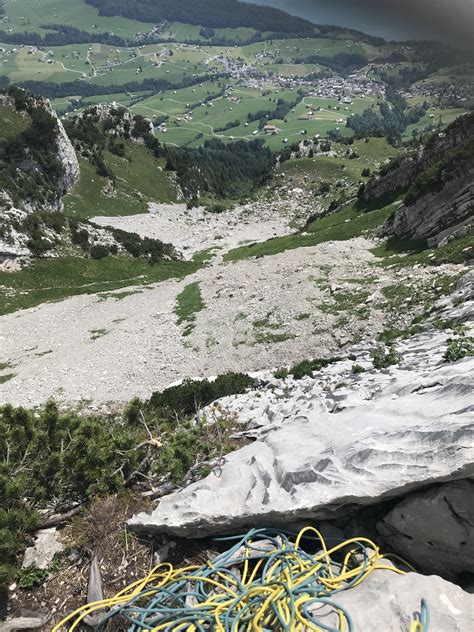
<point>212,13</point>
<point>216,169</point>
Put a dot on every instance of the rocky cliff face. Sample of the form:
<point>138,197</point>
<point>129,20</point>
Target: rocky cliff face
<point>436,185</point>
<point>67,157</point>
<point>437,218</point>
<point>38,166</point>
<point>41,149</point>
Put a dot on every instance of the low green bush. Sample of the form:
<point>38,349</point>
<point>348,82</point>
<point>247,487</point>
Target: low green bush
<point>385,356</point>
<point>460,347</point>
<point>99,251</point>
<point>187,397</point>
<point>308,367</point>
<point>52,460</point>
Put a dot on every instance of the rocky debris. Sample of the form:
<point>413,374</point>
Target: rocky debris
<point>444,545</point>
<point>31,622</point>
<point>322,451</point>
<point>259,313</point>
<point>387,601</point>
<point>194,230</point>
<point>45,548</point>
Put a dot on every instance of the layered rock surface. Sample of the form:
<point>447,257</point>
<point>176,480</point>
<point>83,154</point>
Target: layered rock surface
<point>387,601</point>
<point>437,217</point>
<point>329,444</point>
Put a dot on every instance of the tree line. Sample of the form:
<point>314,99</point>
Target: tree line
<point>61,35</point>
<point>210,13</point>
<point>85,89</point>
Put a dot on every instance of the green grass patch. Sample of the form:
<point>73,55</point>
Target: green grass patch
<point>204,256</point>
<point>456,251</point>
<point>396,246</point>
<point>118,296</point>
<point>98,333</point>
<point>12,123</point>
<point>340,226</point>
<point>273,338</point>
<point>6,378</point>
<point>56,279</point>
<point>188,304</point>
<point>390,335</point>
<point>140,179</point>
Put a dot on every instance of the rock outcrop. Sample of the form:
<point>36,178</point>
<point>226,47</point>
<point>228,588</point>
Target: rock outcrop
<point>117,121</point>
<point>45,169</point>
<point>437,217</point>
<point>444,545</point>
<point>68,159</point>
<point>46,546</point>
<point>328,445</point>
<point>437,185</point>
<point>386,601</point>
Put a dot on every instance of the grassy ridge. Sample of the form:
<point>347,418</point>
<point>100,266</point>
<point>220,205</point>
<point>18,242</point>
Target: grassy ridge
<point>139,181</point>
<point>56,279</point>
<point>340,226</point>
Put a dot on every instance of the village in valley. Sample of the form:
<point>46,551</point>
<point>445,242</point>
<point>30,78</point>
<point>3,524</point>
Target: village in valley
<point>276,89</point>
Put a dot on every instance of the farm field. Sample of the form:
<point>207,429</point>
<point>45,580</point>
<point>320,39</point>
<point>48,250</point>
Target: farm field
<point>32,15</point>
<point>194,86</point>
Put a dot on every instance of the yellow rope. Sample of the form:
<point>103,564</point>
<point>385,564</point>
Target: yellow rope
<point>278,589</point>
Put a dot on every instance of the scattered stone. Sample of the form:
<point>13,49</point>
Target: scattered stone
<point>45,548</point>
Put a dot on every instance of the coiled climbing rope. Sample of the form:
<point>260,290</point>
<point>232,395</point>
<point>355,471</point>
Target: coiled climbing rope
<point>266,582</point>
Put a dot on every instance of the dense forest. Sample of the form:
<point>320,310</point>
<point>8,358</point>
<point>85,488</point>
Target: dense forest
<point>224,170</point>
<point>395,116</point>
<point>80,88</point>
<point>211,13</point>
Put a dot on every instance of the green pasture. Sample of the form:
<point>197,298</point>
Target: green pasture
<point>48,280</point>
<point>31,15</point>
<point>434,118</point>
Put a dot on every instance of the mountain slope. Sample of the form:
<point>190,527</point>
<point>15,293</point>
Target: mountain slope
<point>211,13</point>
<point>437,185</point>
<point>38,162</point>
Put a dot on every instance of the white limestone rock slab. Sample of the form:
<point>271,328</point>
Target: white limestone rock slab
<point>388,601</point>
<point>45,548</point>
<point>317,464</point>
